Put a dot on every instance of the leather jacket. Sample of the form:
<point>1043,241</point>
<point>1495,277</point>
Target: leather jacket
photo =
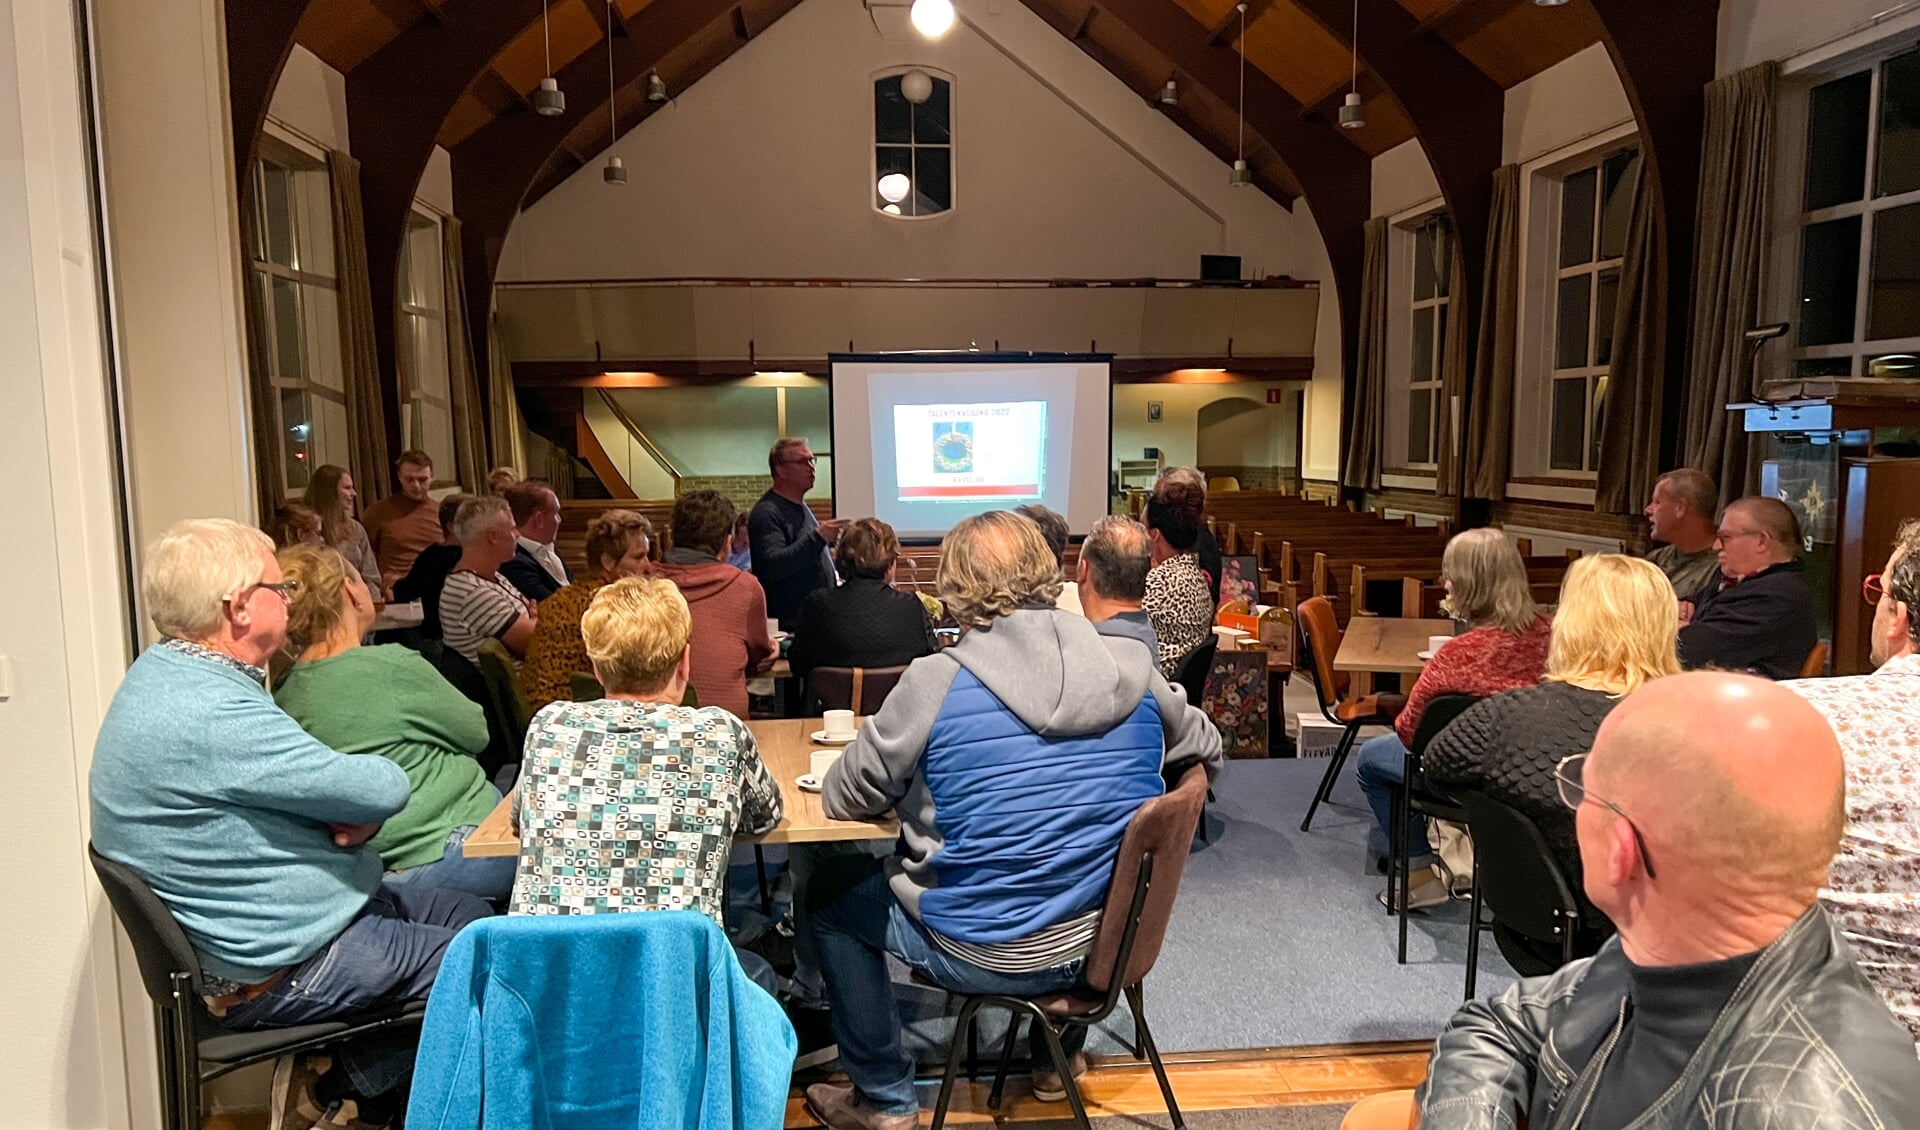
<point>1804,1042</point>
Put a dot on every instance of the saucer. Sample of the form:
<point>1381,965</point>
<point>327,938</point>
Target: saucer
<point>808,782</point>
<point>821,737</point>
<point>1423,655</point>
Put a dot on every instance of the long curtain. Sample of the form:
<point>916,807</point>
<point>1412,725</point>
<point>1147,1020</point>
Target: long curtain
<point>359,355</point>
<point>1489,452</point>
<point>469,431</point>
<point>1365,447</point>
<point>1454,360</point>
<point>1636,403</point>
<point>1729,269</point>
<point>507,448</point>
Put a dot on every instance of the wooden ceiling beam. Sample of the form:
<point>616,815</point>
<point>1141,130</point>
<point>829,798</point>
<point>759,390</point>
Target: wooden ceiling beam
<point>259,40</point>
<point>1227,28</point>
<point>1465,19</point>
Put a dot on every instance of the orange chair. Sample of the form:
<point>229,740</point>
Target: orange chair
<point>1816,664</point>
<point>1392,1110</point>
<point>1320,637</point>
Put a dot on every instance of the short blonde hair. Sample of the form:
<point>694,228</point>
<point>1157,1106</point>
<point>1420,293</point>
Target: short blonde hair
<point>1617,625</point>
<point>195,567</point>
<point>636,629</point>
<point>1489,581</point>
<point>318,574</point>
<point>994,563</point>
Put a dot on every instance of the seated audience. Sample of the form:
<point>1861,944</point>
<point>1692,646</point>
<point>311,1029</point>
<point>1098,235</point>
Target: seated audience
<point>691,777</point>
<point>1707,814</point>
<point>401,525</point>
<point>742,555</point>
<point>536,569</point>
<point>330,494</point>
<point>254,834</point>
<point>729,608</point>
<point>1066,731</point>
<point>500,478</point>
<point>1205,548</point>
<point>1115,559</point>
<point>431,569</point>
<point>863,621</point>
<point>477,603</point>
<point>390,702</point>
<point>618,542</point>
<point>1613,630</point>
<point>1873,891</point>
<point>1179,599</point>
<point>1680,517</point>
<point>1758,614</point>
<point>1504,649</point>
<point>296,523</point>
<point>1053,527</point>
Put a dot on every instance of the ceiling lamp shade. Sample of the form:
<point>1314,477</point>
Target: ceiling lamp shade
<point>1550,3</point>
<point>615,172</point>
<point>656,88</point>
<point>1170,94</point>
<point>1352,114</point>
<point>548,100</point>
<point>894,187</point>
<point>1242,175</point>
<point>916,86</point>
<point>932,18</point>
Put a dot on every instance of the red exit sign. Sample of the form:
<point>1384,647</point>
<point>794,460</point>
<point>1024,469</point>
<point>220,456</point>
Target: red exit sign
<point>1273,395</point>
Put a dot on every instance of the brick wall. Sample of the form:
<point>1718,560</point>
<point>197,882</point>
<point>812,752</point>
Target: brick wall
<point>741,490</point>
<point>1416,501</point>
<point>1321,489</point>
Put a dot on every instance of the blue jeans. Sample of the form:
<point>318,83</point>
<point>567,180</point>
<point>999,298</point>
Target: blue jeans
<point>490,877</point>
<point>1382,770</point>
<point>855,932</point>
<point>389,954</point>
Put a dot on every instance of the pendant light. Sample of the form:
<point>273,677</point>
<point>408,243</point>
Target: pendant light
<point>932,18</point>
<point>615,172</point>
<point>656,88</point>
<point>1170,94</point>
<point>1549,3</point>
<point>548,101</point>
<point>1352,114</point>
<point>1242,176</point>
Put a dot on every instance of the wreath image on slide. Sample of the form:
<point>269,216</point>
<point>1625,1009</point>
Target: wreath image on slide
<point>952,448</point>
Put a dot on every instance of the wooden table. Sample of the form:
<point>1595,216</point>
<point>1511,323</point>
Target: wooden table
<point>1385,645</point>
<point>787,750</point>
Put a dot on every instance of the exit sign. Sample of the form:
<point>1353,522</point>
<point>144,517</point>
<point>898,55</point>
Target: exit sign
<point>1273,395</point>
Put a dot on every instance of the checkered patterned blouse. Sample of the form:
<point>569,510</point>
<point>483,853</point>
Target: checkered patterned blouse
<point>633,806</point>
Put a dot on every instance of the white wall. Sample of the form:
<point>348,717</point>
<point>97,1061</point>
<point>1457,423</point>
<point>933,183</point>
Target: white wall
<point>1753,31</point>
<point>1176,433</point>
<point>1321,459</point>
<point>312,98</point>
<point>763,169</point>
<point>1402,178</point>
<point>1579,96</point>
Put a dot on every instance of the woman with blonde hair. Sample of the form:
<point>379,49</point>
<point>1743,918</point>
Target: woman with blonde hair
<point>1503,649</point>
<point>389,702</point>
<point>1615,629</point>
<point>618,544</point>
<point>330,494</point>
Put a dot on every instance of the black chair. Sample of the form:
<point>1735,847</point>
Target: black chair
<point>1415,795</point>
<point>1139,907</point>
<point>1191,671</point>
<point>859,689</point>
<point>1320,638</point>
<point>1516,878</point>
<point>194,1048</point>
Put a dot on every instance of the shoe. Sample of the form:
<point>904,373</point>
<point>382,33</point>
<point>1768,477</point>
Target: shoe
<point>1433,891</point>
<point>293,1104</point>
<point>1047,1086</point>
<point>839,1108</point>
<point>345,1115</point>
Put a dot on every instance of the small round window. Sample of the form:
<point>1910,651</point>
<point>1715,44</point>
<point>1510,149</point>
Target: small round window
<point>912,144</point>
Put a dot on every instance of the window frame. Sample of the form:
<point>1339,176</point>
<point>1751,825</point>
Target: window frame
<point>1403,249</point>
<point>952,145</point>
<point>414,316</point>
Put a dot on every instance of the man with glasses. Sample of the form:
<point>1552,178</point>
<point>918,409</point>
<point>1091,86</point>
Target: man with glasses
<point>1757,615</point>
<point>255,835</point>
<point>790,556</point>
<point>1873,890</point>
<point>1707,814</point>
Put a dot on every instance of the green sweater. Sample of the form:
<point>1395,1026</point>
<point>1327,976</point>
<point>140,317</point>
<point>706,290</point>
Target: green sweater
<point>388,700</point>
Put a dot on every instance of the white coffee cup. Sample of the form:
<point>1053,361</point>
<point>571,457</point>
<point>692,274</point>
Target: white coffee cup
<point>773,626</point>
<point>839,723</point>
<point>1435,643</point>
<point>821,761</point>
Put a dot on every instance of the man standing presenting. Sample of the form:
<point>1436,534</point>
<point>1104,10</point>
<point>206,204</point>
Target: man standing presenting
<point>401,525</point>
<point>790,556</point>
<point>1681,517</point>
<point>536,569</point>
<point>1873,890</point>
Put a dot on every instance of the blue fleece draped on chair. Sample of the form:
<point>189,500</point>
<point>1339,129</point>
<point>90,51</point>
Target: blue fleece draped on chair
<point>582,1022</point>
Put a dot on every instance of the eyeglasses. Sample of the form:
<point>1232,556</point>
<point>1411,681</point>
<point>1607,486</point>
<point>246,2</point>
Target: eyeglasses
<point>1729,535</point>
<point>282,589</point>
<point>1874,587</point>
<point>809,460</point>
<point>1568,775</point>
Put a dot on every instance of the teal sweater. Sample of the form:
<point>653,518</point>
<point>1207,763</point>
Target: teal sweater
<point>221,802</point>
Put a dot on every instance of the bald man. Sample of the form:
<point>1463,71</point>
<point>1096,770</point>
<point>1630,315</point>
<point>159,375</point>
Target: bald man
<point>1707,814</point>
<point>1757,615</point>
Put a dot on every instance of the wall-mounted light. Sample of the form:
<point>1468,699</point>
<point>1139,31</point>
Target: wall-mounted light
<point>916,86</point>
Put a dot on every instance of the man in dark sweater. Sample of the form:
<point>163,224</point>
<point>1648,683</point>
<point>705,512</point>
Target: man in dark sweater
<point>1758,614</point>
<point>790,556</point>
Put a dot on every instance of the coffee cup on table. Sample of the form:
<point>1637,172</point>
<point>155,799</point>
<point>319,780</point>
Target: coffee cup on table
<point>773,627</point>
<point>838,724</point>
<point>821,761</point>
<point>1435,643</point>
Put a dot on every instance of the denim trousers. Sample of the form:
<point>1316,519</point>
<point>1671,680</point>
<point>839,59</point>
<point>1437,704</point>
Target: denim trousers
<point>854,932</point>
<point>389,954</point>
<point>1382,770</point>
<point>489,877</point>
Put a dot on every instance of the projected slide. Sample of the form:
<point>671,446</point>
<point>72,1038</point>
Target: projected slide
<point>970,452</point>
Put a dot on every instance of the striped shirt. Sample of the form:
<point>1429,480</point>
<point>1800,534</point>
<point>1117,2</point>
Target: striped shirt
<point>475,608</point>
<point>1038,952</point>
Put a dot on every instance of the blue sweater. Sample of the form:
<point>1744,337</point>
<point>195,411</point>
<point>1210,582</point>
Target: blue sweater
<point>221,802</point>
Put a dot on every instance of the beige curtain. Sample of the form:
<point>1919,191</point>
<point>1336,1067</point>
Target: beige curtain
<point>1729,270</point>
<point>506,447</point>
<point>1635,404</point>
<point>1453,374</point>
<point>1365,447</point>
<point>267,441</point>
<point>359,355</point>
<point>469,430</point>
<point>1489,451</point>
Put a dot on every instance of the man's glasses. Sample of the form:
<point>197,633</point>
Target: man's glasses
<point>1874,587</point>
<point>1569,776</point>
<point>282,589</point>
<point>809,460</point>
<point>1730,535</point>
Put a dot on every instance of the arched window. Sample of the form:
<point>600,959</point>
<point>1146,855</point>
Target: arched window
<point>913,143</point>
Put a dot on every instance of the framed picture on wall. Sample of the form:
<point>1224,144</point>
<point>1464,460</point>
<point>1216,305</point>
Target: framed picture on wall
<point>1153,411</point>
<point>1240,580</point>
